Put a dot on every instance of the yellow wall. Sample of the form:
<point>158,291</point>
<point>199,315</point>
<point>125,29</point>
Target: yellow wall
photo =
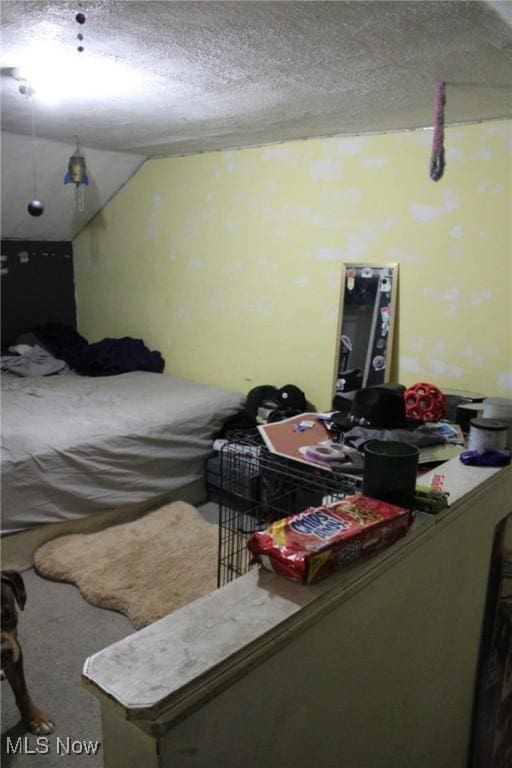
<point>229,262</point>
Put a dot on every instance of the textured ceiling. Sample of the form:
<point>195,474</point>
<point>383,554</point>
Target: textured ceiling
<point>207,75</point>
<point>182,77</point>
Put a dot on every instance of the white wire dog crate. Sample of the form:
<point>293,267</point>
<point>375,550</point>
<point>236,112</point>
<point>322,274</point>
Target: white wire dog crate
<point>258,487</point>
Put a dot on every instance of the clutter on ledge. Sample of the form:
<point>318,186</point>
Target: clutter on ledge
<point>288,465</point>
<point>154,682</point>
<point>170,685</point>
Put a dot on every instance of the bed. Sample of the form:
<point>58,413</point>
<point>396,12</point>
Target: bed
<point>73,445</point>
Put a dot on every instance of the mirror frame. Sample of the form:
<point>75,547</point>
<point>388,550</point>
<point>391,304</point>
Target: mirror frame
<point>390,335</point>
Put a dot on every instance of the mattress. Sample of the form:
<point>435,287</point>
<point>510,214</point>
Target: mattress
<point>73,445</point>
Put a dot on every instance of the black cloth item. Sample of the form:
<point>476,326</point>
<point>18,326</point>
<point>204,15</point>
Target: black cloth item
<point>281,414</point>
<point>422,437</point>
<point>110,357</point>
<point>291,398</point>
<point>63,341</point>
<point>282,403</point>
<point>259,395</point>
<point>107,357</point>
<point>239,422</point>
<point>380,406</point>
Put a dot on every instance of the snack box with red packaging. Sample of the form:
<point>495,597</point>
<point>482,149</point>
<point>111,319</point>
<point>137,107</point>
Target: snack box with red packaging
<point>309,545</point>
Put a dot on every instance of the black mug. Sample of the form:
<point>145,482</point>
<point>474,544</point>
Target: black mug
<point>390,471</point>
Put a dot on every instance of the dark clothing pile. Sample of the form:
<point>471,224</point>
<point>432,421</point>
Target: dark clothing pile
<point>107,357</point>
<point>266,403</point>
<point>62,341</point>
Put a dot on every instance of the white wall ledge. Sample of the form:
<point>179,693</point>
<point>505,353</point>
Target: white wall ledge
<point>157,676</point>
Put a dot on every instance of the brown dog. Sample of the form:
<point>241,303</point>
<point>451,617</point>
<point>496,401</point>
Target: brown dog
<point>13,591</point>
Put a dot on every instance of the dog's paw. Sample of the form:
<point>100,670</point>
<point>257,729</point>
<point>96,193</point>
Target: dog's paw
<point>40,725</point>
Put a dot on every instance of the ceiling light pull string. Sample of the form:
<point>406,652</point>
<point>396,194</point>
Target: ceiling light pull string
<point>80,198</point>
<point>34,172</point>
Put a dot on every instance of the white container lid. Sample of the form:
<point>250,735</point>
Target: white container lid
<point>494,425</point>
<point>501,405</point>
<point>472,397</point>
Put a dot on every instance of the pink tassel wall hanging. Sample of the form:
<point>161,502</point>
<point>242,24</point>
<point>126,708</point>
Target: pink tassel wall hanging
<point>437,162</point>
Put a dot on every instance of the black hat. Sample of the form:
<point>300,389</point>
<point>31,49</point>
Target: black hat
<point>379,407</point>
<point>292,398</point>
<point>266,393</point>
<point>382,407</point>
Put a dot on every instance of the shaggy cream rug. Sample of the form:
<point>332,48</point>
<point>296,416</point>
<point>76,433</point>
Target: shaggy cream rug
<point>144,569</point>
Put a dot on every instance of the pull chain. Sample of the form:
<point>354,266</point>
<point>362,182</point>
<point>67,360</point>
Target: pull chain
<point>34,174</point>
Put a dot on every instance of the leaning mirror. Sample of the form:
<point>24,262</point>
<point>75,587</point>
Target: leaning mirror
<point>367,314</point>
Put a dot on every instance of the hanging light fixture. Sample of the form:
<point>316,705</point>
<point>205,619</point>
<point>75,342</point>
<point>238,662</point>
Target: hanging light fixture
<point>77,175</point>
<point>35,207</point>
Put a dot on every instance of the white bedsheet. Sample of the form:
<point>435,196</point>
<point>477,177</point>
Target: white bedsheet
<point>73,445</point>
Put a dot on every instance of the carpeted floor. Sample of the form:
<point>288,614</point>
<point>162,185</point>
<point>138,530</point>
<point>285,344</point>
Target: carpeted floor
<point>58,631</point>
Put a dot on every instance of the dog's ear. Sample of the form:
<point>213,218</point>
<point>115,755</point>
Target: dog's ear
<point>14,580</point>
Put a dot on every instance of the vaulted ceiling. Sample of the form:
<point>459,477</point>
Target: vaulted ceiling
<point>165,78</point>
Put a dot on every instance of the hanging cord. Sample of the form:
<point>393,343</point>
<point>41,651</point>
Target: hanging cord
<point>33,150</point>
<point>80,197</point>
<point>437,162</point>
<point>26,90</point>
